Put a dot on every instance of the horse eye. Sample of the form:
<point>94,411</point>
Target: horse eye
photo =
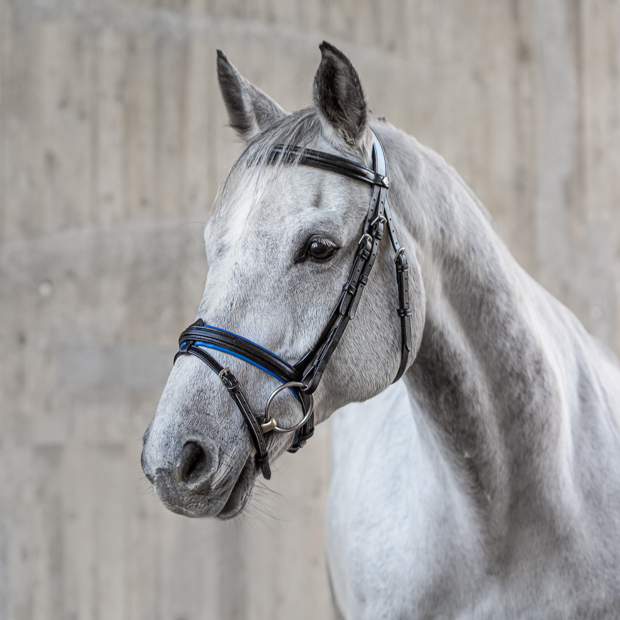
<point>319,249</point>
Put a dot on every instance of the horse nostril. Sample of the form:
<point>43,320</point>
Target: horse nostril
<point>194,464</point>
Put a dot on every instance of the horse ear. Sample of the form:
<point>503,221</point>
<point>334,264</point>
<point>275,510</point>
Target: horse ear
<point>250,110</point>
<point>339,96</point>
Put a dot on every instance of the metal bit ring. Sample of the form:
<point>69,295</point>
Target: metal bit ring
<point>271,424</point>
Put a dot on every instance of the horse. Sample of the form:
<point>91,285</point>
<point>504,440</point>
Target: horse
<point>483,484</point>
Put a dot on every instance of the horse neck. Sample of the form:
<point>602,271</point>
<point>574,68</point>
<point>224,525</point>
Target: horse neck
<point>485,375</point>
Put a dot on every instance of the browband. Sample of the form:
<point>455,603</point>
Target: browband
<point>303,377</point>
<point>327,161</point>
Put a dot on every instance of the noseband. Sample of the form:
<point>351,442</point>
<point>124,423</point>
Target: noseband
<point>303,377</point>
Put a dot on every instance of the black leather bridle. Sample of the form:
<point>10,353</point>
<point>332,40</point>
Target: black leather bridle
<point>303,377</point>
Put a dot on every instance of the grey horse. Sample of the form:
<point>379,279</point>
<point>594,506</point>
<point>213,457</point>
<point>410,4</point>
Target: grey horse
<point>485,483</point>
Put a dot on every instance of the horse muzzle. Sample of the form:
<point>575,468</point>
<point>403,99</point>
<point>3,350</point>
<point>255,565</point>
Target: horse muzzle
<point>196,482</point>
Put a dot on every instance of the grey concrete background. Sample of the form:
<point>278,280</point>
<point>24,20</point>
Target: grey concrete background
<point>112,143</point>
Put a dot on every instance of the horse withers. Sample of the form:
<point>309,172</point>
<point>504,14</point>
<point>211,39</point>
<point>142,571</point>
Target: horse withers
<point>486,482</point>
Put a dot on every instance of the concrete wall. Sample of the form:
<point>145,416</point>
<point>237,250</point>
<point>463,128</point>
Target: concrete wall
<point>112,143</point>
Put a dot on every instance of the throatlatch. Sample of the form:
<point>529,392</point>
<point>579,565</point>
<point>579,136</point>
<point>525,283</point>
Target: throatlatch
<point>304,377</point>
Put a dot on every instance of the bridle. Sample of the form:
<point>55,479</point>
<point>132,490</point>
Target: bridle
<point>303,377</point>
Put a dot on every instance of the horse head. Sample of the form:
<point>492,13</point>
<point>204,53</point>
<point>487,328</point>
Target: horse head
<point>280,246</point>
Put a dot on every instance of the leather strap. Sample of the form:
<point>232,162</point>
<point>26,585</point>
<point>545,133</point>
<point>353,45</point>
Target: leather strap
<point>402,280</point>
<point>216,338</point>
<point>326,161</point>
<point>363,262</point>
